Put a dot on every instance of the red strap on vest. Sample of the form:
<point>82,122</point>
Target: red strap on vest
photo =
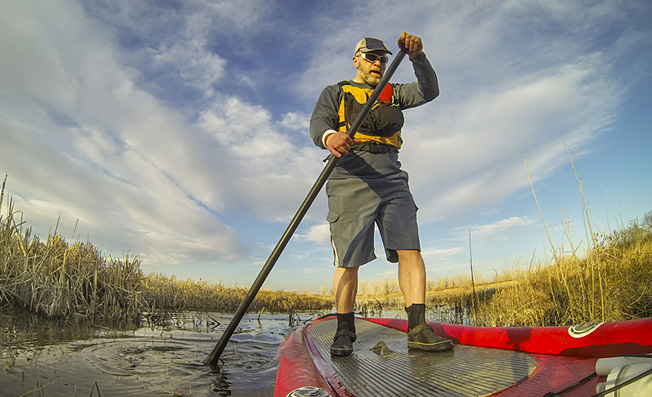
<point>387,94</point>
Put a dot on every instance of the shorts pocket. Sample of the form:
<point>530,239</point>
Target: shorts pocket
<point>332,217</point>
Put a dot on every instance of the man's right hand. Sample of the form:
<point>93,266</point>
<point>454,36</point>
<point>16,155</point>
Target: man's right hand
<point>339,143</point>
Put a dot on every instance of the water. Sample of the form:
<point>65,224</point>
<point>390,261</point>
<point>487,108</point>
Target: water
<point>162,358</point>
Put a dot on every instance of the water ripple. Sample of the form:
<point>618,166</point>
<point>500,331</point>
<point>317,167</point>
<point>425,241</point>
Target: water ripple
<point>150,362</point>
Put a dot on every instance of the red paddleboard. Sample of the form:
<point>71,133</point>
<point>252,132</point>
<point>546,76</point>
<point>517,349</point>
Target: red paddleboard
<point>583,340</point>
<point>498,361</point>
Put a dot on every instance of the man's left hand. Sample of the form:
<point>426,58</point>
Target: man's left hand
<point>413,44</point>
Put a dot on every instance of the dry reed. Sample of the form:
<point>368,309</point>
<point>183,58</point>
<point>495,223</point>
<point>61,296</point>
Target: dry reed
<point>613,282</point>
<point>564,294</point>
<point>58,280</point>
<point>169,293</point>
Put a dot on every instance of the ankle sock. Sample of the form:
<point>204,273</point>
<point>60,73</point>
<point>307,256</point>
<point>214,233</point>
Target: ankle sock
<point>416,314</point>
<point>346,321</point>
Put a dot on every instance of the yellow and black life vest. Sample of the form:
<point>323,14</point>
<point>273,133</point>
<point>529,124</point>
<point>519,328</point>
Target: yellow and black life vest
<point>383,123</point>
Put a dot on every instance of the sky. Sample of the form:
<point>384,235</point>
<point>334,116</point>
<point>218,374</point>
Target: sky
<point>177,131</point>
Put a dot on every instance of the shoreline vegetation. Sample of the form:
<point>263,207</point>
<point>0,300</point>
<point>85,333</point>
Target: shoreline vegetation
<point>612,282</point>
<point>57,280</point>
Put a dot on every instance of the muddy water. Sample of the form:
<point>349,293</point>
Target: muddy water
<point>160,358</point>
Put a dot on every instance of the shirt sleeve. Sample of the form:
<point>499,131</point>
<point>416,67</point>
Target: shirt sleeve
<point>424,90</point>
<point>324,117</point>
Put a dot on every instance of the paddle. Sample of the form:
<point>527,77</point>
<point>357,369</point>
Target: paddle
<point>276,253</point>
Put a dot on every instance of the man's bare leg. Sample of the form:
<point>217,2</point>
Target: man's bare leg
<point>412,280</point>
<point>412,276</point>
<point>345,288</point>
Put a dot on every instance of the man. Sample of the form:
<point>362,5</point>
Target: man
<point>368,187</point>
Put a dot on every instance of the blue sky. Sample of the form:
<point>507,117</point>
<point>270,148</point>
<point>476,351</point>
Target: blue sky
<point>178,130</point>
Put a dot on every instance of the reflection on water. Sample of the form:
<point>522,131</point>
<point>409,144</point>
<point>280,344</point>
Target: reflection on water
<point>163,357</point>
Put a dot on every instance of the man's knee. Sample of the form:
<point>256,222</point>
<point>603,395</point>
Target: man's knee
<point>408,255</point>
<point>347,270</point>
<point>345,275</point>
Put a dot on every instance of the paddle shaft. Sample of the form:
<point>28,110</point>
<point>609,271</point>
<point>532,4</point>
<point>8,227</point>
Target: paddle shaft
<point>280,246</point>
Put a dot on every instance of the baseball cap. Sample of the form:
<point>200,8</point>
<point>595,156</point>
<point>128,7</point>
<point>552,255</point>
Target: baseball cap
<point>371,44</point>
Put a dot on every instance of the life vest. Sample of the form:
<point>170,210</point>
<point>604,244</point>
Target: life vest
<point>383,122</point>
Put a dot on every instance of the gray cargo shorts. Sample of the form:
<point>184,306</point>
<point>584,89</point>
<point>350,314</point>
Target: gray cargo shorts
<point>355,205</point>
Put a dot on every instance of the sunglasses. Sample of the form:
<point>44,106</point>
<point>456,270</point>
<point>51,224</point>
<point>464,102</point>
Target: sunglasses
<point>369,57</point>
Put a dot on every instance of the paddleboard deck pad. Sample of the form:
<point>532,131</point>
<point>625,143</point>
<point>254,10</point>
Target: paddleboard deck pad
<point>382,365</point>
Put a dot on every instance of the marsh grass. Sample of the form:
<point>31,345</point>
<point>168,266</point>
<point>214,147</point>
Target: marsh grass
<point>59,280</point>
<point>612,283</point>
<point>169,293</point>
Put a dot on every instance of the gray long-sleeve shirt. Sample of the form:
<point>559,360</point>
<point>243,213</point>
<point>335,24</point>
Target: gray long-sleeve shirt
<point>425,89</point>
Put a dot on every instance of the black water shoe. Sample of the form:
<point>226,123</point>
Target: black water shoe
<point>343,343</point>
<point>422,337</point>
<point>345,335</point>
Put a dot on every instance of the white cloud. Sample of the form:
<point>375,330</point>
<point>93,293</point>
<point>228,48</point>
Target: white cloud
<point>296,121</point>
<point>473,154</point>
<point>102,150</point>
<point>312,270</point>
<point>319,234</point>
<point>441,253</point>
<point>498,231</point>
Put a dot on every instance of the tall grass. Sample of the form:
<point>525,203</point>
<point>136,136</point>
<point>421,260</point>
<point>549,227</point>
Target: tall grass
<point>55,279</point>
<point>170,293</point>
<point>612,283</point>
<point>59,280</point>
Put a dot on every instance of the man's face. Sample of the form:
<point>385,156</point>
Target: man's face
<point>369,72</point>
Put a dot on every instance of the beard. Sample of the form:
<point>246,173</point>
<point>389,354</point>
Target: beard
<point>371,78</point>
